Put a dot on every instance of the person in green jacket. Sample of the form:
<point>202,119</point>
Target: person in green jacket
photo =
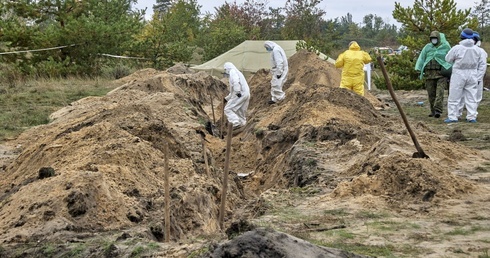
<point>432,65</point>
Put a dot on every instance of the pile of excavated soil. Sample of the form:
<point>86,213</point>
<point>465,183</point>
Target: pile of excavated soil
<point>400,179</point>
<point>98,165</point>
<point>106,157</point>
<point>330,138</point>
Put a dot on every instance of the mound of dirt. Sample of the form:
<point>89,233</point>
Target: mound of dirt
<point>138,75</point>
<point>180,69</point>
<point>400,179</point>
<point>321,135</point>
<point>106,156</point>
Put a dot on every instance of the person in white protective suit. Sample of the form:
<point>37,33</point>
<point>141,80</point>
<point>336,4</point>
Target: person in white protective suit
<point>481,72</point>
<point>239,97</point>
<point>279,70</point>
<point>467,64</point>
<point>481,75</point>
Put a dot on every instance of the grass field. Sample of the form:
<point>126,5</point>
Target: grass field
<point>30,103</point>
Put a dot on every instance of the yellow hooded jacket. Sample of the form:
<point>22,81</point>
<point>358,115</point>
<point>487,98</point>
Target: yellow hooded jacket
<point>352,62</point>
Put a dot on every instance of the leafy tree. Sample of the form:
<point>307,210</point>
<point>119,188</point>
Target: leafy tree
<point>220,35</point>
<point>402,74</point>
<point>90,27</point>
<point>417,23</point>
<point>272,24</point>
<point>344,23</point>
<point>251,15</point>
<point>170,37</point>
<point>429,15</point>
<point>387,36</point>
<point>482,13</point>
<point>162,6</point>
<point>369,26</point>
<point>303,20</point>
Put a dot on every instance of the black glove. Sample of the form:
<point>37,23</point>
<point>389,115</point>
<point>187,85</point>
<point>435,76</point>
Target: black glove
<point>278,76</point>
<point>239,94</point>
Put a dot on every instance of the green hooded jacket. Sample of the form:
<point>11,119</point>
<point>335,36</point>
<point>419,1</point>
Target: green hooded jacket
<point>431,51</point>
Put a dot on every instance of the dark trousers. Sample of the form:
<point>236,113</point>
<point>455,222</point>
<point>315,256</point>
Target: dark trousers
<point>435,91</point>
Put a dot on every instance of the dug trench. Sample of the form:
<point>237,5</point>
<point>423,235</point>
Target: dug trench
<point>107,153</point>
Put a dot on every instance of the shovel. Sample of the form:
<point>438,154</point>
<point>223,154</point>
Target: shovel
<point>420,153</point>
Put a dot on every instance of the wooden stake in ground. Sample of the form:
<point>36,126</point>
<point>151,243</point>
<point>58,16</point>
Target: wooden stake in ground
<point>212,110</point>
<point>167,195</point>
<point>225,176</point>
<point>420,153</point>
<point>222,118</point>
<point>205,154</point>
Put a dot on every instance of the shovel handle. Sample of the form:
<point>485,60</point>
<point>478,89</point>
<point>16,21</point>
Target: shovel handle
<point>421,153</point>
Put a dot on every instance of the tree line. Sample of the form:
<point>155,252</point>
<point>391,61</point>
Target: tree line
<point>88,30</point>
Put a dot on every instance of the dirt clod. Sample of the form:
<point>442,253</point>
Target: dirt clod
<point>46,172</point>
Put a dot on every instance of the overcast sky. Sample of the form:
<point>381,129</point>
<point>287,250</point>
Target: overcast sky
<point>334,8</point>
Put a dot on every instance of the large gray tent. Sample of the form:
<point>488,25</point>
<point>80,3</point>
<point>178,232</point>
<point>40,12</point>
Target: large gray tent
<point>248,57</point>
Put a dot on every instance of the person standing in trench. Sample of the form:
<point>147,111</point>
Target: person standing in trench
<point>279,70</point>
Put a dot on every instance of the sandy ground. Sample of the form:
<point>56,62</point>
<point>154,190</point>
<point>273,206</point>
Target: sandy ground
<point>324,154</point>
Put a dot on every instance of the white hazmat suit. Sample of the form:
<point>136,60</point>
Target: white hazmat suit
<point>279,70</point>
<point>239,97</point>
<point>467,64</point>
<point>480,76</point>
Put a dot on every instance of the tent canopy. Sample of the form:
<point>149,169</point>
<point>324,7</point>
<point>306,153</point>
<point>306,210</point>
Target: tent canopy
<point>249,57</point>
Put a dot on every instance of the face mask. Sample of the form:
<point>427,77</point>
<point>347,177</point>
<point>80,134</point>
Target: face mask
<point>434,41</point>
<point>478,43</point>
<point>268,49</point>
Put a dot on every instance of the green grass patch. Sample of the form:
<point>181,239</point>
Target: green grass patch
<point>141,249</point>
<point>392,225</point>
<point>48,250</point>
<point>290,215</point>
<point>371,215</point>
<point>465,231</point>
<point>336,212</point>
<point>30,103</point>
<point>309,144</point>
<point>78,250</point>
<point>198,252</point>
<point>311,162</point>
<point>371,250</point>
<point>340,235</point>
<point>259,132</point>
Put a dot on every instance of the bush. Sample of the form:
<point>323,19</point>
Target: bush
<point>10,75</point>
<point>116,72</point>
<point>51,68</point>
<point>400,69</point>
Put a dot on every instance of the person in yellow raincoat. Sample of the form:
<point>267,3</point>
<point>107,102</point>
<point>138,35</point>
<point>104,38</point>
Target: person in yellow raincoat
<point>352,62</point>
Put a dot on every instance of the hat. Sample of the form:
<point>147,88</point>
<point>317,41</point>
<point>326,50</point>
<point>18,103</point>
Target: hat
<point>476,36</point>
<point>467,34</point>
